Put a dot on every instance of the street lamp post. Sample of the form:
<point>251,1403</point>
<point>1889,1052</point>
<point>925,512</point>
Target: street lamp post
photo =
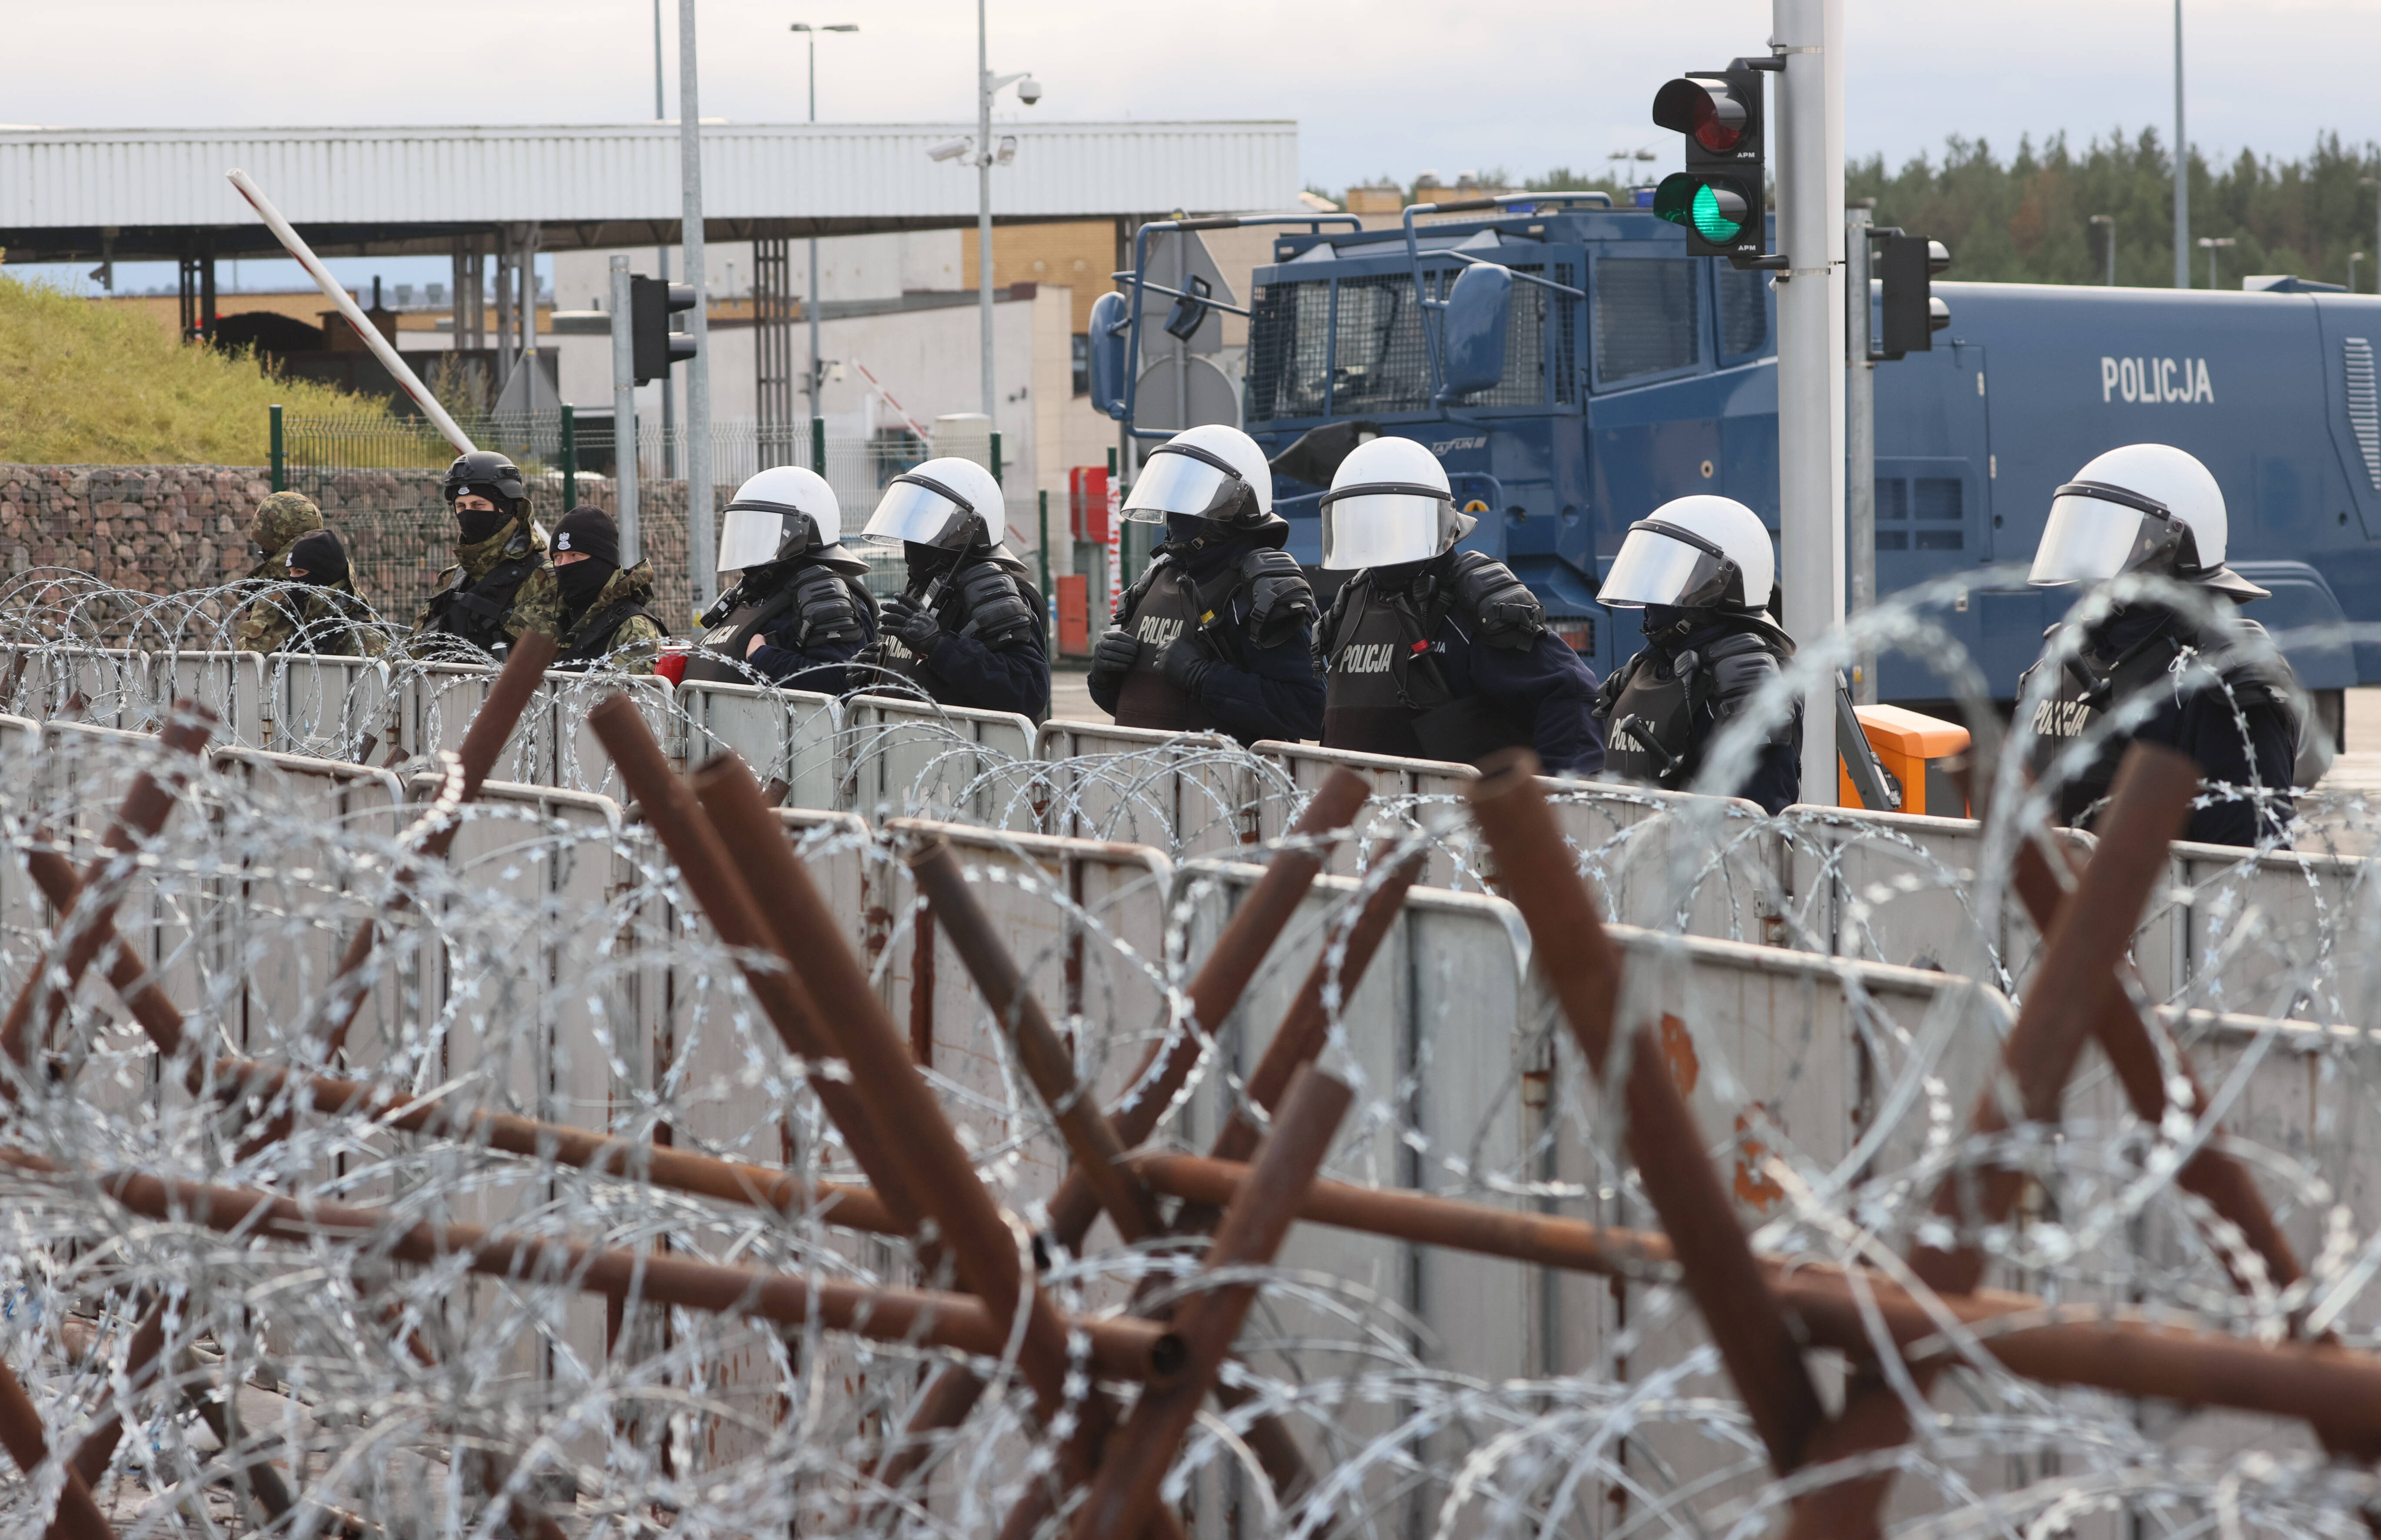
<point>2181,169</point>
<point>2210,245</point>
<point>986,155</point>
<point>2107,224</point>
<point>811,299</point>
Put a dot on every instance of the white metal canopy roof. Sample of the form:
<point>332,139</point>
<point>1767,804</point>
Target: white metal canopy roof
<point>392,189</point>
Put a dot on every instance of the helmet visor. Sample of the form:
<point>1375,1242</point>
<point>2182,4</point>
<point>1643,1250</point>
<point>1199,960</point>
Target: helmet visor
<point>1380,526</point>
<point>921,512</point>
<point>1660,563</point>
<point>752,534</point>
<point>1186,480</point>
<point>2091,535</point>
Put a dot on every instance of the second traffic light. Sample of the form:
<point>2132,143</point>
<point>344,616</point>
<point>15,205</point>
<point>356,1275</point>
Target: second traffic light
<point>651,302</point>
<point>1906,266</point>
<point>1719,198</point>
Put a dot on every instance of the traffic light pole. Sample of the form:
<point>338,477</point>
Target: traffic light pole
<point>703,569</point>
<point>1808,35</point>
<point>1859,442</point>
<point>624,414</point>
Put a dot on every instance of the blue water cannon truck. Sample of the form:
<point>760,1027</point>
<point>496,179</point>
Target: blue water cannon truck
<point>1574,369</point>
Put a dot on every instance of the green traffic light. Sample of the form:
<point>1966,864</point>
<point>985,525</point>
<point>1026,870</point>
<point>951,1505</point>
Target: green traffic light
<point>1713,210</point>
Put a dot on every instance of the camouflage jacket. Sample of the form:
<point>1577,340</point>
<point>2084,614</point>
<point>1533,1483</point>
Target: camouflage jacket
<point>630,638</point>
<point>331,619</point>
<point>282,519</point>
<point>536,602</point>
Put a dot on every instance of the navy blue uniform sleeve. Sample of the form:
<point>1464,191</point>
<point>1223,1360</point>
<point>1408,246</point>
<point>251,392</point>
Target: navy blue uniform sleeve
<point>819,669</point>
<point>1013,678</point>
<point>1776,781</point>
<point>1278,696</point>
<point>1550,688</point>
<point>2264,757</point>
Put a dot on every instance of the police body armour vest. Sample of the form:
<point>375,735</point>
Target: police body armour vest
<point>1650,736</point>
<point>733,634</point>
<point>1170,607</point>
<point>2088,688</point>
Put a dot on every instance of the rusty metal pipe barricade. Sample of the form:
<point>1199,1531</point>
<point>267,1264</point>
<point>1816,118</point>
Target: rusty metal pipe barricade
<point>978,1241</point>
<point>1090,1137</point>
<point>2075,985</point>
<point>1254,1226</point>
<point>1119,1348</point>
<point>88,924</point>
<point>712,880</point>
<point>78,1517</point>
<point>1579,962</point>
<point>1246,940</point>
<point>492,726</point>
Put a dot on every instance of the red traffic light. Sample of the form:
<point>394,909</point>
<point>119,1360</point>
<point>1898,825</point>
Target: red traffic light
<point>1704,108</point>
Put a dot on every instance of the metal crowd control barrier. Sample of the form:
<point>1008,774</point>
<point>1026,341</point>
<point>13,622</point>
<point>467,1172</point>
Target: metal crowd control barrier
<point>1672,859</point>
<point>1426,793</point>
<point>437,707</point>
<point>792,739</point>
<point>2278,934</point>
<point>105,686</point>
<point>1185,792</point>
<point>1899,888</point>
<point>341,708</point>
<point>572,758</point>
<point>915,756</point>
<point>1085,920</point>
<point>232,685</point>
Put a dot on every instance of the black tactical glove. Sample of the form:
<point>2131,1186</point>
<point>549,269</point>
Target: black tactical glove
<point>1185,663</point>
<point>1117,653</point>
<point>913,623</point>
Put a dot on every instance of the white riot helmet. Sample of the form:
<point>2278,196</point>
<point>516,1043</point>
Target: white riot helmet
<point>2146,508</point>
<point>950,504</point>
<point>1389,502</point>
<point>1694,552</point>
<point>784,512</point>
<point>1213,471</point>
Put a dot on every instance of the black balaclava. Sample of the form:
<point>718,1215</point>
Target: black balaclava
<point>320,558</point>
<point>1203,547</point>
<point>478,524</point>
<point>927,562</point>
<point>580,581</point>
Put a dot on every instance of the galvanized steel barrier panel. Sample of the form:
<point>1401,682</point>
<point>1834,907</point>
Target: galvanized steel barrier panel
<point>439,700</point>
<point>232,685</point>
<point>915,756</point>
<point>1674,859</point>
<point>1190,793</point>
<point>105,686</point>
<point>572,758</point>
<point>1901,887</point>
<point>1408,794</point>
<point>2278,934</point>
<point>341,708</point>
<point>792,738</point>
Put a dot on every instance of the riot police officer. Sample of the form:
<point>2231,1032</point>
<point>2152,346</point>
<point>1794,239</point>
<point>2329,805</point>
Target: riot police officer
<point>1702,568</point>
<point>967,628</point>
<point>2219,696</point>
<point>792,607</point>
<point>1432,653</point>
<point>1218,629</point>
<point>502,584</point>
<point>606,615</point>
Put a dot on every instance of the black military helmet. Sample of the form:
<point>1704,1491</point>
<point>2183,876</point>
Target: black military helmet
<point>485,472</point>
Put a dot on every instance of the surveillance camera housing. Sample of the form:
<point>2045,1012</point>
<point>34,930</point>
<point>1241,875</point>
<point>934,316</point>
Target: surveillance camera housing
<point>1029,90</point>
<point>950,150</point>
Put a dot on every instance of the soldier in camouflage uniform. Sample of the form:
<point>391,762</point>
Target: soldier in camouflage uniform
<point>605,611</point>
<point>502,584</point>
<point>333,619</point>
<point>278,523</point>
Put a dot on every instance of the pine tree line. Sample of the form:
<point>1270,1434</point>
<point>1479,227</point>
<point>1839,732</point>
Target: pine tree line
<point>2029,220</point>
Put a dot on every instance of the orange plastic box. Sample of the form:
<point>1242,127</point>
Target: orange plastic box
<point>1913,748</point>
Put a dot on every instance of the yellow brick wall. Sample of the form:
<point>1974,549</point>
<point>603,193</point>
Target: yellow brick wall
<point>1080,253</point>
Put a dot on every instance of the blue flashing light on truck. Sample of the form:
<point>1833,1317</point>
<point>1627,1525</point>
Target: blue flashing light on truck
<point>1625,373</point>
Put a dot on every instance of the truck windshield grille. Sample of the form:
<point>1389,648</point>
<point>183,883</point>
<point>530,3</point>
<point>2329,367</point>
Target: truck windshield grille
<point>1371,361</point>
<point>1644,317</point>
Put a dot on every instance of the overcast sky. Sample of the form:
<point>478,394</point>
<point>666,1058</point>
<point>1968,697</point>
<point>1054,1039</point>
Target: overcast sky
<point>1375,86</point>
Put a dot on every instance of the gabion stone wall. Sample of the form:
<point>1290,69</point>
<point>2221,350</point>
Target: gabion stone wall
<point>162,529</point>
